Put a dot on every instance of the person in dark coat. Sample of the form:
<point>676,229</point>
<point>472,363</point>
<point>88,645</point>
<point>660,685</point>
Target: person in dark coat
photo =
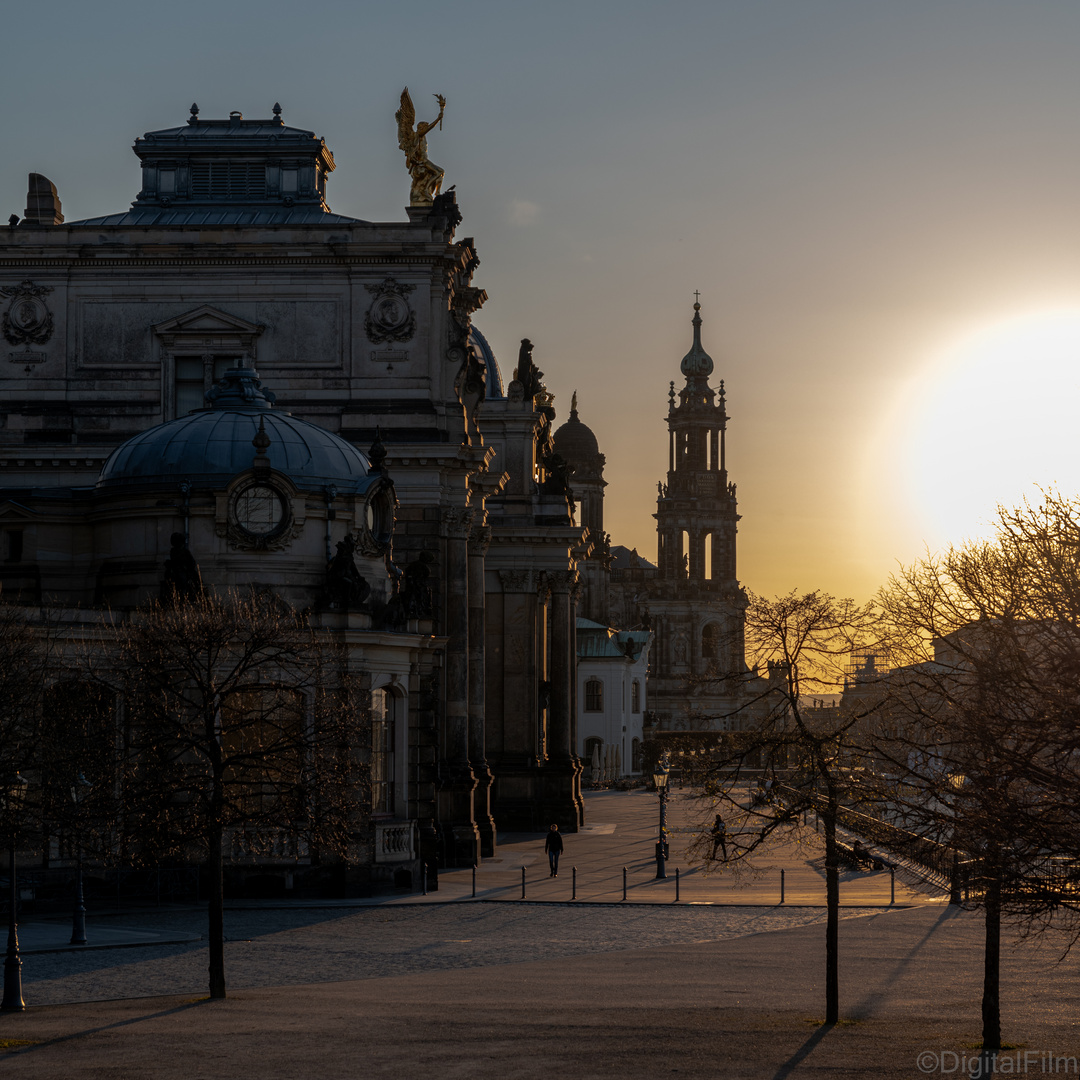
<point>553,847</point>
<point>719,837</point>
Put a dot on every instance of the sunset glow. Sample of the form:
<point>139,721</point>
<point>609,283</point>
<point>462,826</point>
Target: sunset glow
<point>987,421</point>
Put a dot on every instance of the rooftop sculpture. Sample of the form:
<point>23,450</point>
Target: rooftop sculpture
<point>426,176</point>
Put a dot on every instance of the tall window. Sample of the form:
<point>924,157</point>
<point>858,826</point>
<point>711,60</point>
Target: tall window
<point>594,696</point>
<point>710,641</point>
<point>189,384</point>
<point>191,379</point>
<point>635,696</point>
<point>383,743</point>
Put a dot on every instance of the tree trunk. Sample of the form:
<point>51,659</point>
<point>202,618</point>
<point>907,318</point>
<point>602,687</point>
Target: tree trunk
<point>216,902</point>
<point>832,918</point>
<point>991,1003</point>
<point>216,914</point>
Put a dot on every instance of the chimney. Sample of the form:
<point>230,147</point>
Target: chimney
<point>42,202</point>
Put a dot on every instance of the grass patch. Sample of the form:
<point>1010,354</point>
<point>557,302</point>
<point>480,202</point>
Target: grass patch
<point>14,1044</point>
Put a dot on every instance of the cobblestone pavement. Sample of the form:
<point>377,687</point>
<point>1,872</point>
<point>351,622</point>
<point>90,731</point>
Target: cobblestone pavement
<point>292,947</point>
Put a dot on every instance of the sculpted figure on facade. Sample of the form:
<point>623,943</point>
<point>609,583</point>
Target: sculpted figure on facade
<point>345,585</point>
<point>182,580</point>
<point>426,176</point>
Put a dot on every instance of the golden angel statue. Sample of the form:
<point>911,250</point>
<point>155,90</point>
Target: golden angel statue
<point>426,176</point>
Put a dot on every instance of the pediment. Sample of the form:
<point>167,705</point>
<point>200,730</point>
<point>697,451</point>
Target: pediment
<point>10,509</point>
<point>207,321</point>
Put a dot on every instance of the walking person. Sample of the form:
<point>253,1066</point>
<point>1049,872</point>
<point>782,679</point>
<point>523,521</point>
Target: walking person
<point>553,847</point>
<point>719,837</point>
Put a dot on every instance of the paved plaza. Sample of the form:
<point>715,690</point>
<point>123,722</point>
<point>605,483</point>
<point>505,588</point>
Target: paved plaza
<point>725,983</point>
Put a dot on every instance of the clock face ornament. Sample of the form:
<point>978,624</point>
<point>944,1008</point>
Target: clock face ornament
<point>260,510</point>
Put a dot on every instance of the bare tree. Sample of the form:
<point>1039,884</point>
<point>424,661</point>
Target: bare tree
<point>25,647</point>
<point>792,736</point>
<point>984,733</point>
<point>235,718</point>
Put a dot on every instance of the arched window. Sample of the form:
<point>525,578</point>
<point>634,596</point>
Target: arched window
<point>594,696</point>
<point>635,696</point>
<point>593,744</point>
<point>635,756</point>
<point>710,641</point>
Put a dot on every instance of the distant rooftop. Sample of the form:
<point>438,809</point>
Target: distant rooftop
<point>230,172</point>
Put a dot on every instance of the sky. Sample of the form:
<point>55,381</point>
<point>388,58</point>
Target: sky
<point>877,201</point>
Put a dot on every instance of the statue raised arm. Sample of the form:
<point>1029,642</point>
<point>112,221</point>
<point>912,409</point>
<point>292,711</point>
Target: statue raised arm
<point>426,176</point>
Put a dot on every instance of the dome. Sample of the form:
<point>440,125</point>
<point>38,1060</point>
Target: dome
<point>208,447</point>
<point>697,363</point>
<point>576,444</point>
<point>493,378</point>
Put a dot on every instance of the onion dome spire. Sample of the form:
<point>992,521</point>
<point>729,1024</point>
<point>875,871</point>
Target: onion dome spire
<point>697,362</point>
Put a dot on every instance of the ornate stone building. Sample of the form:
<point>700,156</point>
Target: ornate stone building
<point>696,605</point>
<point>230,259</point>
<point>691,599</point>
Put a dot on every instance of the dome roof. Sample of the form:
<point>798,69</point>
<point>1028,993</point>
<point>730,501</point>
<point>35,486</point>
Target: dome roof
<point>208,447</point>
<point>493,383</point>
<point>697,363</point>
<point>576,444</point>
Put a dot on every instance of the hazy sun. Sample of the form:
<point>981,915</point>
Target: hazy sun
<point>991,417</point>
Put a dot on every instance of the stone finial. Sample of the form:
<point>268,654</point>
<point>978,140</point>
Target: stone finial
<point>573,406</point>
<point>277,112</point>
<point>377,456</point>
<point>13,220</point>
<point>194,117</point>
<point>42,202</point>
<point>261,442</point>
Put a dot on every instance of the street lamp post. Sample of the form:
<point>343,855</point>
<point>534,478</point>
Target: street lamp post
<point>13,793</point>
<point>660,778</point>
<point>79,790</point>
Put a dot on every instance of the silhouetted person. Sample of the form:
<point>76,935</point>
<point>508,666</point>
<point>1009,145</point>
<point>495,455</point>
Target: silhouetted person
<point>719,837</point>
<point>553,847</point>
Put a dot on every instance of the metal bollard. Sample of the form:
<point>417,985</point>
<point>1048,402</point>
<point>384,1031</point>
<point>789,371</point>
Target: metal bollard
<point>781,886</point>
<point>624,882</point>
<point>423,875</point>
<point>676,884</point>
<point>573,878</point>
<point>523,883</point>
<point>892,885</point>
<point>474,880</point>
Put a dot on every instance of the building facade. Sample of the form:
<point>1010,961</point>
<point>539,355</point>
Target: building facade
<point>229,275</point>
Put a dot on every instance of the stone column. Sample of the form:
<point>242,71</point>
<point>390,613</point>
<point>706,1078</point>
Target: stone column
<point>561,769</point>
<point>456,789</point>
<point>513,694</point>
<point>478,546</point>
<point>559,720</point>
<point>575,597</point>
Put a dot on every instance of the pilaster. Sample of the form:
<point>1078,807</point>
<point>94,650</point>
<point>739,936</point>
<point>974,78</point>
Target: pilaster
<point>461,836</point>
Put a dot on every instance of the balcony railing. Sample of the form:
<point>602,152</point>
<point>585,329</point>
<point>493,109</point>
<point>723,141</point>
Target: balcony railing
<point>394,841</point>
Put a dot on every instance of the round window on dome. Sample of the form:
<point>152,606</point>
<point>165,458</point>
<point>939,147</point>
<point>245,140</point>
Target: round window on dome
<point>260,510</point>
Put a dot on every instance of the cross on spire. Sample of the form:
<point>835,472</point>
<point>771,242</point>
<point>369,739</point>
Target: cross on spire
<point>697,296</point>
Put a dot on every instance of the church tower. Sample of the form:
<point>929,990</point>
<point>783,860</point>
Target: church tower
<point>697,607</point>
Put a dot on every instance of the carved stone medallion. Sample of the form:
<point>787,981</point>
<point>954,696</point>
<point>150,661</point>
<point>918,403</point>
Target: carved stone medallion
<point>390,318</point>
<point>27,320</point>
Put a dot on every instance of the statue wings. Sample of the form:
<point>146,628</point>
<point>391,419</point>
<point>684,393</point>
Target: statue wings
<point>406,118</point>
